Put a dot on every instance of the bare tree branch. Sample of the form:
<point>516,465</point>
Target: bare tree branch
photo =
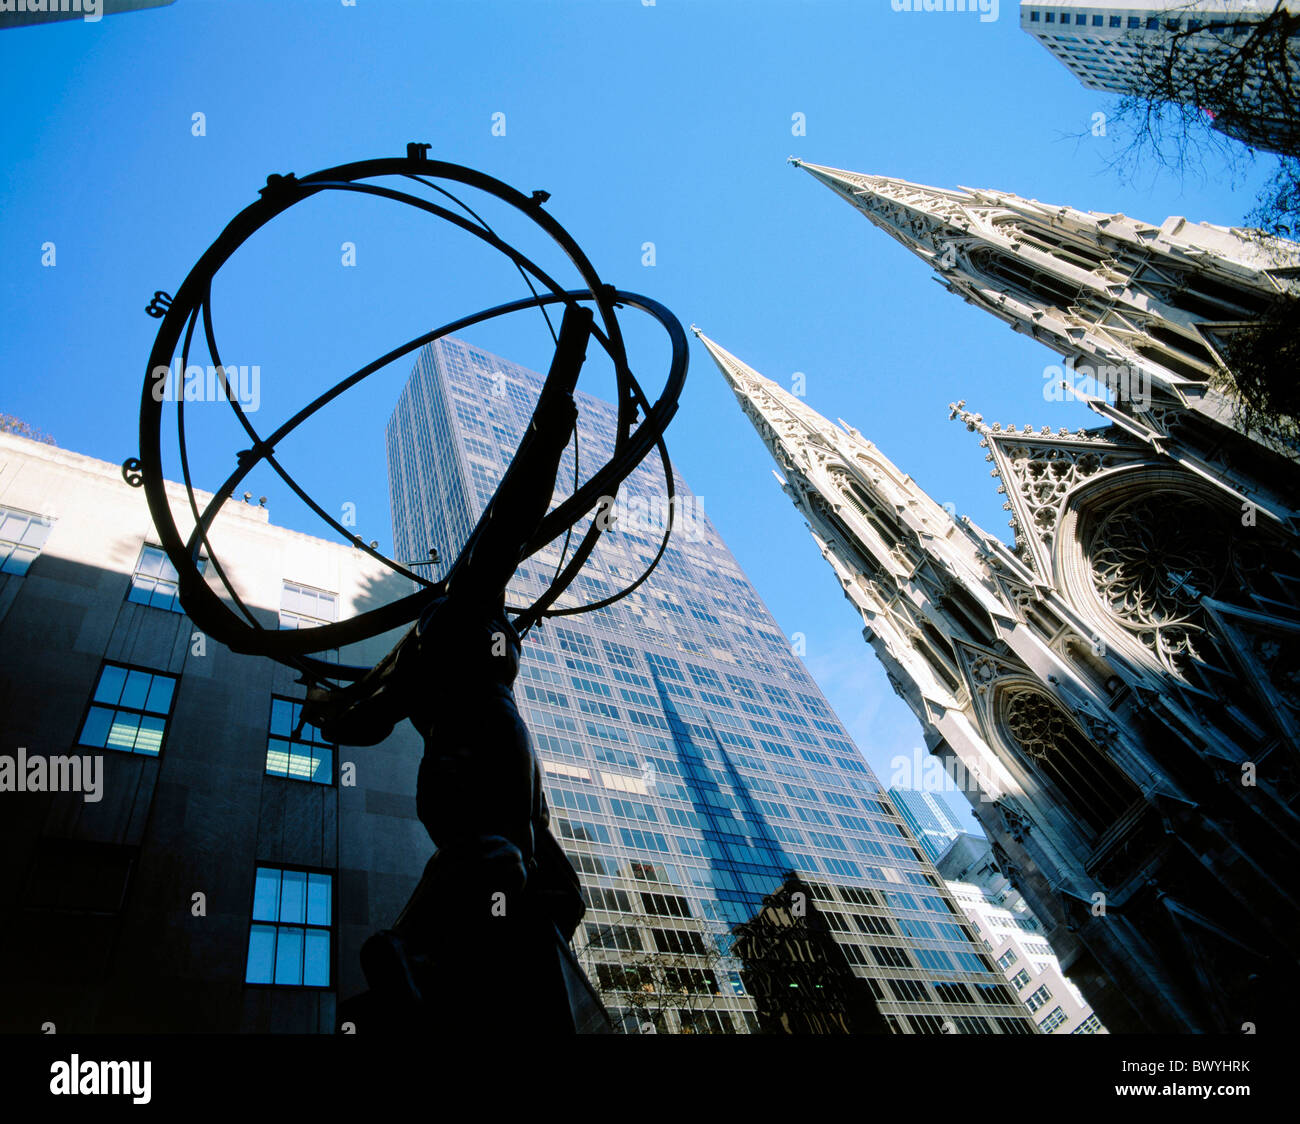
<point>1202,84</point>
<point>18,427</point>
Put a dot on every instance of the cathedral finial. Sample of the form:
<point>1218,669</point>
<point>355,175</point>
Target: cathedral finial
<point>973,421</point>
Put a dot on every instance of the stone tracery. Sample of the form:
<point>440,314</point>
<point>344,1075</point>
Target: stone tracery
<point>1152,559</point>
<point>1097,791</point>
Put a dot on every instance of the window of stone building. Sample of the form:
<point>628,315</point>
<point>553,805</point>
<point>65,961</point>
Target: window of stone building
<point>293,752</point>
<point>22,535</point>
<point>129,710</point>
<point>291,934</point>
<point>155,582</point>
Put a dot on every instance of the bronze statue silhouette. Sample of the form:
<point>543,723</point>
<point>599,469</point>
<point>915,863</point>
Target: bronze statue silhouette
<point>487,929</point>
<point>498,880</point>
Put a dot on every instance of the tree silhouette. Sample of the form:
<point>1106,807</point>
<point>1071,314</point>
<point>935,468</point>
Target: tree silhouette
<point>1227,85</point>
<point>1200,85</point>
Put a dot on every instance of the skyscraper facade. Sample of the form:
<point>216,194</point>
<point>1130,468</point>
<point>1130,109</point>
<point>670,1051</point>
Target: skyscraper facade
<point>932,824</point>
<point>690,762</point>
<point>1117,680</point>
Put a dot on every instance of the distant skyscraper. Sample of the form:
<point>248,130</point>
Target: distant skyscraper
<point>1116,46</point>
<point>689,760</point>
<point>1114,679</point>
<point>927,815</point>
<point>1015,937</point>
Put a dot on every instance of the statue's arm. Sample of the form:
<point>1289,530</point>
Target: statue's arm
<point>490,559</point>
<point>491,556</point>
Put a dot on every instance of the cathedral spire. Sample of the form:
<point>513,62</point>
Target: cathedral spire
<point>1139,312</point>
<point>782,419</point>
<point>924,219</point>
<point>1086,691</point>
<point>820,458</point>
<point>898,554</point>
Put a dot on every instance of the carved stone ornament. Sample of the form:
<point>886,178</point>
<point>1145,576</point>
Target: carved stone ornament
<point>1152,560</point>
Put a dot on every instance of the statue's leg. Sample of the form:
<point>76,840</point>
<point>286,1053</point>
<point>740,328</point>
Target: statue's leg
<point>482,945</point>
<point>478,796</point>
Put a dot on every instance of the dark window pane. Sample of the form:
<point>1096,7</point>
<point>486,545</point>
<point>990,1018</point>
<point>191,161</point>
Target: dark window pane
<point>136,690</point>
<point>288,954</point>
<point>318,899</point>
<point>96,729</point>
<point>281,717</point>
<point>111,680</point>
<point>266,894</point>
<point>324,772</point>
<point>160,695</point>
<point>316,968</point>
<point>261,954</point>
<point>293,897</point>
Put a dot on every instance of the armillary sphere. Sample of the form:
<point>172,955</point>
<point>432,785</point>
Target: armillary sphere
<point>639,428</point>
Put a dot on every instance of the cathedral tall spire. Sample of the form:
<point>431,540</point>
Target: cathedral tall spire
<point>1105,290</point>
<point>901,558</point>
<point>833,474</point>
<point>924,219</point>
<point>1141,314</point>
<point>768,404</point>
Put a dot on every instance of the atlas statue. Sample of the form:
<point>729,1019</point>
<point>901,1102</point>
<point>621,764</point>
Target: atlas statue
<point>484,942</point>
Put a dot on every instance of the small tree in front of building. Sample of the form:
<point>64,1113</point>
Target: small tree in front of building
<point>647,974</point>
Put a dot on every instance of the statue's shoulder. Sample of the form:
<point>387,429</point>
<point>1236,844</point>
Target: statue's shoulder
<point>460,615</point>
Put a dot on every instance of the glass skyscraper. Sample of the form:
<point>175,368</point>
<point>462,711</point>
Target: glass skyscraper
<point>933,825</point>
<point>690,762</point>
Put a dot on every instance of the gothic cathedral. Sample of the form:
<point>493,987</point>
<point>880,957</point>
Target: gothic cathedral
<point>1121,685</point>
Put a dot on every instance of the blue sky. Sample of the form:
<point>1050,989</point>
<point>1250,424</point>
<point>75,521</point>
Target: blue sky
<point>667,123</point>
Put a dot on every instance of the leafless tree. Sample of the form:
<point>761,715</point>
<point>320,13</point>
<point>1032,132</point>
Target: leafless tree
<point>651,981</point>
<point>1214,90</point>
<point>1261,360</point>
<point>1220,87</point>
<point>18,427</point>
